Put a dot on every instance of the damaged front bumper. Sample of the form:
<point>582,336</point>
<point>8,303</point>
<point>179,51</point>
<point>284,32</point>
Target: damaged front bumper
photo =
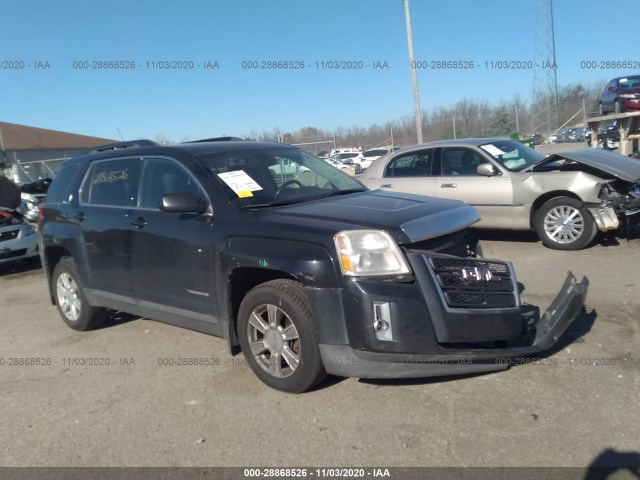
<point>407,358</point>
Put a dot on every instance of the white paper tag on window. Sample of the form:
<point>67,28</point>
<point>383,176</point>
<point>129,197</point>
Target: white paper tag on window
<point>240,182</point>
<point>492,150</point>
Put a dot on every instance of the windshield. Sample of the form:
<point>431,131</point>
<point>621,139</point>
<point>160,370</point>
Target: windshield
<point>511,155</point>
<point>276,176</point>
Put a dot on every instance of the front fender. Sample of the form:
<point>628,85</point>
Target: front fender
<point>311,264</point>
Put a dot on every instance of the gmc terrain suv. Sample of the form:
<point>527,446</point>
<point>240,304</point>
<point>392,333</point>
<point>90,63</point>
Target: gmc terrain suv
<point>304,269</point>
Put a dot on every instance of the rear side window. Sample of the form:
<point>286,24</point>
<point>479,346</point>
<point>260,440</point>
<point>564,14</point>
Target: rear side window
<point>112,183</point>
<point>414,164</point>
<point>60,188</point>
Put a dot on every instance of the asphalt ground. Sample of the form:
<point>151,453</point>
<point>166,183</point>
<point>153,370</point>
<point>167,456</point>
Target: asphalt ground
<point>577,406</point>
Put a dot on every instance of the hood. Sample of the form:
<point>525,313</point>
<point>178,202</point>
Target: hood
<point>9,194</point>
<point>619,166</point>
<point>408,218</point>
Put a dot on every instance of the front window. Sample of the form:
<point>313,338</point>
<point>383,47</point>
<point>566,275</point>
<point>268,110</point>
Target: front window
<point>276,176</point>
<point>511,155</point>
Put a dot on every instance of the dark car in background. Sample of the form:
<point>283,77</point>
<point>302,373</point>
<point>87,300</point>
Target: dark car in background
<point>621,94</point>
<point>308,276</point>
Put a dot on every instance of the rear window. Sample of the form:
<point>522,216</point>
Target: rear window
<point>60,188</point>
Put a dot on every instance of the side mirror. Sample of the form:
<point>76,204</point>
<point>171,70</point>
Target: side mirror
<point>184,202</point>
<point>486,169</point>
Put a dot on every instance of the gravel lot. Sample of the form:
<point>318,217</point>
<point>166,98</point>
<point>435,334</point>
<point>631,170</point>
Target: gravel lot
<point>576,407</point>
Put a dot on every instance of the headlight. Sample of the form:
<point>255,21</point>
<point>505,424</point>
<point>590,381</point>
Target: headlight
<point>368,253</point>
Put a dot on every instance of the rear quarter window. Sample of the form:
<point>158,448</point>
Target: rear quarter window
<point>60,189</point>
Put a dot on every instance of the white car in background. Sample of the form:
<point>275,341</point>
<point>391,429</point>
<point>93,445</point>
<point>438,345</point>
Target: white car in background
<point>366,158</point>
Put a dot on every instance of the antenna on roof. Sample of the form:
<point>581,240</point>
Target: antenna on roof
<point>120,133</point>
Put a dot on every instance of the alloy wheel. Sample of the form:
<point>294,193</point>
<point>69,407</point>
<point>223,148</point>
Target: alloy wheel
<point>274,341</point>
<point>68,297</point>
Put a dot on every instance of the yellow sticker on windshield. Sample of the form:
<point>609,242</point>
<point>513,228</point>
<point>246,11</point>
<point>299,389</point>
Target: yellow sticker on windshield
<point>244,193</point>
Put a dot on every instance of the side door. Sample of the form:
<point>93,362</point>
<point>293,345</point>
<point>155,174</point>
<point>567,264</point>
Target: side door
<point>410,172</point>
<point>108,191</point>
<point>173,266</point>
<point>491,195</point>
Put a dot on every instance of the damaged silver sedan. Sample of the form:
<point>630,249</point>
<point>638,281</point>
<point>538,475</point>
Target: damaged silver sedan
<point>566,198</point>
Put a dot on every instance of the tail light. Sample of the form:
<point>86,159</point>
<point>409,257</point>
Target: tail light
<point>40,215</point>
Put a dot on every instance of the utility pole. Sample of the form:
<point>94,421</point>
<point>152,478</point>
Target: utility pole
<point>412,64</point>
<point>546,105</point>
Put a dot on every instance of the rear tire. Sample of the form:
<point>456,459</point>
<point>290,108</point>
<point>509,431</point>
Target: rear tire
<point>564,224</point>
<point>69,297</point>
<point>278,336</point>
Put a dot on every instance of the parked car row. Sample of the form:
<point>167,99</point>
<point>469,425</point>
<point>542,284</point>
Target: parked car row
<point>570,135</point>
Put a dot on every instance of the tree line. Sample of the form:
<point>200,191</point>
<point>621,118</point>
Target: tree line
<point>468,117</point>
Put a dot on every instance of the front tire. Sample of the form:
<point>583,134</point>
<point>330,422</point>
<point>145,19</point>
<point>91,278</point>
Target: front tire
<point>278,336</point>
<point>70,299</point>
<point>564,224</point>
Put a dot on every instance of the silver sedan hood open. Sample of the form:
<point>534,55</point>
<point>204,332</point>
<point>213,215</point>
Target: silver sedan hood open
<point>619,166</point>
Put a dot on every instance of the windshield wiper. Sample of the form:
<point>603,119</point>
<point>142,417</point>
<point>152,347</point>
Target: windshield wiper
<point>345,192</point>
<point>276,204</point>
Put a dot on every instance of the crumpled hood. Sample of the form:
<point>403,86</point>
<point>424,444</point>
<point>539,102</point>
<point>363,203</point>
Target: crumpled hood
<point>9,194</point>
<point>619,166</point>
<point>408,218</point>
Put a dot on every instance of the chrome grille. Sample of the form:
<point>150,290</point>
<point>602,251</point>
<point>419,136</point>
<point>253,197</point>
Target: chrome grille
<point>474,283</point>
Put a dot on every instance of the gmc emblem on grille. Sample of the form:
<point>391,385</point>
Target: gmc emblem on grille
<point>477,274</point>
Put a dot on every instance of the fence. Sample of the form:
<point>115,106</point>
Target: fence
<point>26,172</point>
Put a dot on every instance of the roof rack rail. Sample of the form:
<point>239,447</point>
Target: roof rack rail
<point>122,145</point>
<point>217,139</point>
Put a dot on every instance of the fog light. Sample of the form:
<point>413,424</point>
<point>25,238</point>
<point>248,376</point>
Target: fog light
<point>382,321</point>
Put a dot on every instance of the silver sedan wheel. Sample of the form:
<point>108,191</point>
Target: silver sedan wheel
<point>68,297</point>
<point>274,341</point>
<point>564,224</point>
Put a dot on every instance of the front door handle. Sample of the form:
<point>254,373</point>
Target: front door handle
<point>386,185</point>
<point>448,185</point>
<point>139,222</point>
<point>80,216</point>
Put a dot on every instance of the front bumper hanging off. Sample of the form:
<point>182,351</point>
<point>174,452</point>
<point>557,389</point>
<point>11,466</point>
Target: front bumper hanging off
<point>344,360</point>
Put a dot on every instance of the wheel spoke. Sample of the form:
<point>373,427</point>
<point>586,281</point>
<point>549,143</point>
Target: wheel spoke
<point>257,322</point>
<point>290,333</point>
<point>273,313</point>
<point>290,357</point>
<point>275,367</point>
<point>258,347</point>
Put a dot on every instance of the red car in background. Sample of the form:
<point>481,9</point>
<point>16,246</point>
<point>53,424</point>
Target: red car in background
<point>621,94</point>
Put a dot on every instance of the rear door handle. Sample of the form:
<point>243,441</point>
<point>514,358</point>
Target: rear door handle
<point>139,222</point>
<point>448,185</point>
<point>80,216</point>
<point>386,185</point>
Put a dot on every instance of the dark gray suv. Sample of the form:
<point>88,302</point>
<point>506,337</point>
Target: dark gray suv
<point>304,269</point>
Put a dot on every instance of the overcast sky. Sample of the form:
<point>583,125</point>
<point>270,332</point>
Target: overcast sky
<point>45,47</point>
